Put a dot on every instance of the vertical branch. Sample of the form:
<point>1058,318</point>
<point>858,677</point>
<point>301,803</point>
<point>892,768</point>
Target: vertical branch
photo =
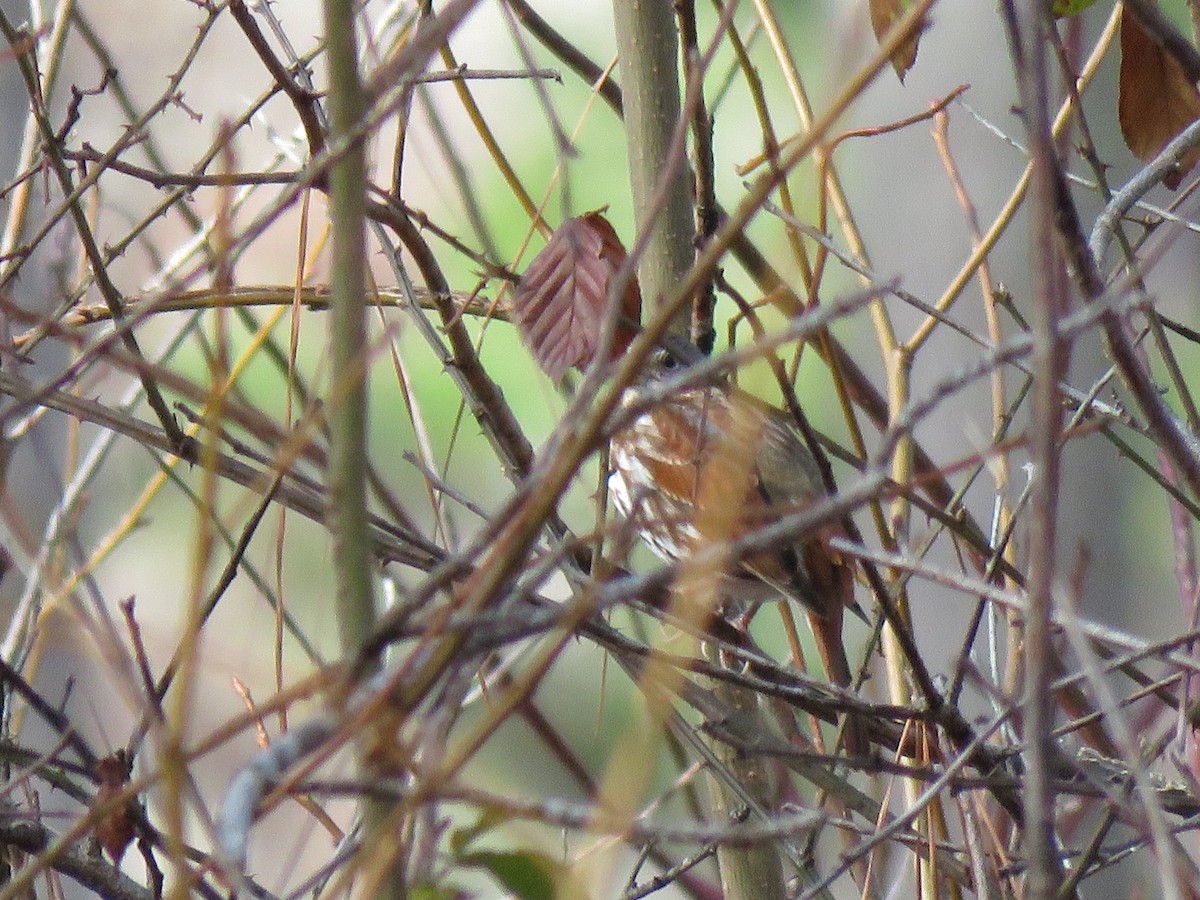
<point>347,455</point>
<point>704,189</point>
<point>648,48</point>
<point>353,564</point>
<point>1025,20</point>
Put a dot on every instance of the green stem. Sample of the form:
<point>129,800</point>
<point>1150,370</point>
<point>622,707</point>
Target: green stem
<point>649,50</point>
<point>747,872</point>
<point>348,451</point>
<point>353,563</point>
<point>649,54</point>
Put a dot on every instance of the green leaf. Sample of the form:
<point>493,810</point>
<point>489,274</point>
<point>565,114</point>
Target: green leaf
<point>1070,7</point>
<point>528,875</point>
<point>461,837</point>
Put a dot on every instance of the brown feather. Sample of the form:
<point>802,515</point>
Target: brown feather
<point>658,462</point>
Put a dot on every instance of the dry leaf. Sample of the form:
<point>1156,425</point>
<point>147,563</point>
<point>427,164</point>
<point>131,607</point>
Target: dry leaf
<point>885,14</point>
<point>1157,99</point>
<point>560,304</point>
<point>115,829</point>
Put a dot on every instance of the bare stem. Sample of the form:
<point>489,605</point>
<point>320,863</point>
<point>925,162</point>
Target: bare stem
<point>649,47</point>
<point>354,567</point>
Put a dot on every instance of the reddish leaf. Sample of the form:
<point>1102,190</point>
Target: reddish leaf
<point>1157,99</point>
<point>885,14</point>
<point>561,301</point>
<point>115,829</point>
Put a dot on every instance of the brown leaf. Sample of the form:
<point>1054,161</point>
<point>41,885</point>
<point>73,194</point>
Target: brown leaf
<point>885,14</point>
<point>1157,99</point>
<point>560,304</point>
<point>115,829</point>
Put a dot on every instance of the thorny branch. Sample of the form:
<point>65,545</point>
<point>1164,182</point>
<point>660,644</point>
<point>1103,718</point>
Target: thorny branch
<point>498,586</point>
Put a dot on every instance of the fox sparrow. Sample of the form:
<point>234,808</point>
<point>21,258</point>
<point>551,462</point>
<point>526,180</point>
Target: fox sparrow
<point>659,464</point>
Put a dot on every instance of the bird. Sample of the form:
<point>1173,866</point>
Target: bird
<point>660,463</point>
<point>688,447</point>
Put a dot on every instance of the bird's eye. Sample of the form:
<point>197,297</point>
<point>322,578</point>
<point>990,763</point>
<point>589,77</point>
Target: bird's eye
<point>663,360</point>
